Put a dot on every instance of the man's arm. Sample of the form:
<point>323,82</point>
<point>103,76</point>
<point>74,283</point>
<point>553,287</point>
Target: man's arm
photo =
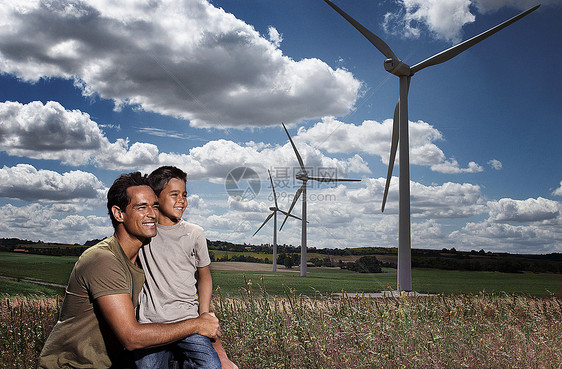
<point>204,288</point>
<point>118,311</point>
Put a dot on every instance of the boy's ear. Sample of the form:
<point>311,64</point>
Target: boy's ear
<point>117,213</point>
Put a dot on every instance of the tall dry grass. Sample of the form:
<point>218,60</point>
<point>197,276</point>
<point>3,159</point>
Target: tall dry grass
<point>262,331</point>
<point>482,331</point>
<point>25,323</point>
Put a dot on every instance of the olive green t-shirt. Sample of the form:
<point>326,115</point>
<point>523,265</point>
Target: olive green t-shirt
<point>82,338</point>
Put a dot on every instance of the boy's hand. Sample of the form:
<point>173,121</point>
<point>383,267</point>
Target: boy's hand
<point>209,326</point>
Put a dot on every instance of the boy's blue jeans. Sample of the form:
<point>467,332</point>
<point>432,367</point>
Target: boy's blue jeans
<point>196,352</point>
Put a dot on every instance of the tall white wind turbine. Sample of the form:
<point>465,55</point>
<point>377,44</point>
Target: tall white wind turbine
<point>304,177</point>
<point>400,128</point>
<point>274,210</point>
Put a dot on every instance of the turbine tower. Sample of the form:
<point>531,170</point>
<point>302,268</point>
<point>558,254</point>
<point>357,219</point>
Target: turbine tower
<point>304,177</point>
<point>400,128</point>
<point>274,210</point>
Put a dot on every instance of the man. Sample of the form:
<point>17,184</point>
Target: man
<point>97,325</point>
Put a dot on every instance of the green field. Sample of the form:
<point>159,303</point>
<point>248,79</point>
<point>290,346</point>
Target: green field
<point>446,282</point>
<point>56,269</point>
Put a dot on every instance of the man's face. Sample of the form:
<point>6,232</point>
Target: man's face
<point>141,215</point>
<point>173,201</point>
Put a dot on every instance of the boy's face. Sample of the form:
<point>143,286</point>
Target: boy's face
<point>173,201</point>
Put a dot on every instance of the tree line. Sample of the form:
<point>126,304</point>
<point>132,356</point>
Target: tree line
<point>289,256</point>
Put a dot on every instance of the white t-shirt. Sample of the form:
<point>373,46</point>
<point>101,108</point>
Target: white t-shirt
<point>170,261</point>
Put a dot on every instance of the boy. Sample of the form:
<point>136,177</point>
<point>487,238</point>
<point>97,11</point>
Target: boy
<point>176,264</point>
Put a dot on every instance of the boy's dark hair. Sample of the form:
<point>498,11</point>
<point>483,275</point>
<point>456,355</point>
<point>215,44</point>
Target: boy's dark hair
<point>117,194</point>
<point>160,177</point>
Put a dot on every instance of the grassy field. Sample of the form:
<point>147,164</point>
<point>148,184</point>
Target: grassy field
<point>281,320</point>
<point>231,277</point>
<point>55,269</point>
<point>295,331</point>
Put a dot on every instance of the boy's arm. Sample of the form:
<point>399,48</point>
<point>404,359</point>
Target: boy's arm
<point>204,288</point>
<point>118,312</point>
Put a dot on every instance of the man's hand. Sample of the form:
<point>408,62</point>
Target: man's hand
<point>226,363</point>
<point>209,326</point>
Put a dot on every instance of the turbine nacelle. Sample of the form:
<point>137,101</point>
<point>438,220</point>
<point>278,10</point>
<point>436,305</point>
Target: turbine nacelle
<point>302,176</point>
<point>397,67</point>
<point>273,208</point>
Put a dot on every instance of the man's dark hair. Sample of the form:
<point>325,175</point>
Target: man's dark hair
<point>117,194</point>
<point>160,177</point>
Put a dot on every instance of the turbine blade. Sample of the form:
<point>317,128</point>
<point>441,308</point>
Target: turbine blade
<point>289,214</point>
<point>295,148</point>
<point>323,179</point>
<point>297,195</point>
<point>456,50</point>
<point>393,148</point>
<point>265,221</point>
<point>374,39</point>
<point>273,188</point>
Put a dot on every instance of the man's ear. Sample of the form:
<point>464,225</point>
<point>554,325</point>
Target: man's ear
<point>117,213</point>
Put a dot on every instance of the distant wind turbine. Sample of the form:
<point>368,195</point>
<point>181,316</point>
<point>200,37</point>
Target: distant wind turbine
<point>304,177</point>
<point>274,210</point>
<point>400,128</point>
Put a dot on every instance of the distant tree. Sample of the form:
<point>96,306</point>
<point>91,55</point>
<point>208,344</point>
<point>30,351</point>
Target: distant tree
<point>288,262</point>
<point>366,264</point>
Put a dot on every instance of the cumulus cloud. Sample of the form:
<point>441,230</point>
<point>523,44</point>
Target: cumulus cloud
<point>141,54</point>
<point>48,131</point>
<point>275,37</point>
<point>537,228</point>
<point>506,237</point>
<point>43,222</point>
<point>24,182</point>
<point>20,124</point>
<point>530,210</point>
<point>558,191</point>
<point>451,166</point>
<point>374,138</point>
<point>443,19</point>
<point>496,164</point>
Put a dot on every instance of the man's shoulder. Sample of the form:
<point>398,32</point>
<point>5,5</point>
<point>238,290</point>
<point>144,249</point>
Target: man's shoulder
<point>100,252</point>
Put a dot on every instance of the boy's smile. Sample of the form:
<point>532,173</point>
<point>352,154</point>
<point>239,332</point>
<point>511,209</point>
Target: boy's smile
<point>173,201</point>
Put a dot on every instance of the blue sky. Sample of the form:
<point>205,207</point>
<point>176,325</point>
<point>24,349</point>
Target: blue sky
<point>90,90</point>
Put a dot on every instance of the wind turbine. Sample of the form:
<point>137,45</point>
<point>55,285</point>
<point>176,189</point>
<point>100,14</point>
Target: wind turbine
<point>304,177</point>
<point>400,128</point>
<point>274,210</point>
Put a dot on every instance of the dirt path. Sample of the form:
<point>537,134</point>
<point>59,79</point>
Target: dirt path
<point>249,267</point>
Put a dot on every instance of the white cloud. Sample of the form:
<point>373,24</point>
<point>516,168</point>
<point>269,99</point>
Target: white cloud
<point>43,222</point>
<point>558,191</point>
<point>27,183</point>
<point>443,19</point>
<point>275,37</point>
<point>48,131</point>
<point>451,166</point>
<point>374,138</point>
<point>506,237</point>
<point>142,54</point>
<point>496,164</point>
<point>530,210</point>
<point>538,229</point>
